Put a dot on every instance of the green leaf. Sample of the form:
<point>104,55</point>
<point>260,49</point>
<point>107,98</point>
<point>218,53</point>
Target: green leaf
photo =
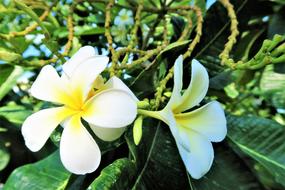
<point>279,1</point>
<point>48,174</point>
<point>159,163</point>
<point>8,82</point>
<point>272,81</point>
<point>228,172</point>
<point>9,56</point>
<point>221,80</point>
<point>15,113</point>
<point>5,71</point>
<point>262,139</point>
<point>272,85</point>
<point>88,30</point>
<point>175,46</point>
<point>276,23</point>
<point>117,175</point>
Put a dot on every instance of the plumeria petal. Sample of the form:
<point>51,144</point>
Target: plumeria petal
<point>168,117</point>
<point>110,108</point>
<point>38,127</point>
<point>107,134</point>
<point>83,78</point>
<point>79,152</point>
<point>175,98</point>
<point>197,88</point>
<point>208,120</point>
<point>49,87</point>
<point>116,83</point>
<point>198,157</point>
<point>82,54</point>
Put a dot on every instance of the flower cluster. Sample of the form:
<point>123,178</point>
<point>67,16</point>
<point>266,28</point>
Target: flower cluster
<point>120,29</point>
<point>80,93</point>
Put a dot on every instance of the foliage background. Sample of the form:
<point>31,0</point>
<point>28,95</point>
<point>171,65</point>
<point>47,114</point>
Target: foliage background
<point>251,157</point>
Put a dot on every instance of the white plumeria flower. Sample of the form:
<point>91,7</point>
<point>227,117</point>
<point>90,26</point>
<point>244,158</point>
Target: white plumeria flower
<point>81,93</point>
<point>125,17</point>
<point>194,130</point>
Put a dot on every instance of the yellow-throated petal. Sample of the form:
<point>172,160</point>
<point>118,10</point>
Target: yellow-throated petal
<point>208,120</point>
<point>116,83</point>
<point>81,55</point>
<point>197,88</point>
<point>85,73</point>
<point>38,127</point>
<point>107,134</point>
<point>79,152</point>
<point>198,155</point>
<point>111,108</point>
<point>167,117</point>
<point>175,98</point>
<point>49,87</point>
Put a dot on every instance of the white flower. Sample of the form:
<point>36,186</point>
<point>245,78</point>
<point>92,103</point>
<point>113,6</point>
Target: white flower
<point>120,34</point>
<point>193,130</point>
<point>80,93</point>
<point>125,17</point>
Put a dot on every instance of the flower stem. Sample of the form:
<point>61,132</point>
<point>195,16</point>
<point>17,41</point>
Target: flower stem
<point>153,114</point>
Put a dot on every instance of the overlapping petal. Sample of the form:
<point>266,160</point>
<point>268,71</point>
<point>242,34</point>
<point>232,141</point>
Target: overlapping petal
<point>113,103</point>
<point>38,127</point>
<point>208,120</point>
<point>197,88</point>
<point>116,83</point>
<point>81,55</point>
<point>79,152</point>
<point>175,98</point>
<point>107,134</point>
<point>193,131</point>
<point>85,75</point>
<point>49,87</point>
<point>196,152</point>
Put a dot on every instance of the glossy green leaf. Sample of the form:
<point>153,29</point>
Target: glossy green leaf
<point>159,163</point>
<point>5,71</point>
<point>48,174</point>
<point>116,176</point>
<point>15,113</point>
<point>10,81</point>
<point>272,85</point>
<point>262,139</point>
<point>85,30</point>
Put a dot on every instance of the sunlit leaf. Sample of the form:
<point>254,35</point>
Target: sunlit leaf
<point>47,174</point>
<point>263,140</point>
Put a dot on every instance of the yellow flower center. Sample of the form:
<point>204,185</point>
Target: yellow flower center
<point>124,17</point>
